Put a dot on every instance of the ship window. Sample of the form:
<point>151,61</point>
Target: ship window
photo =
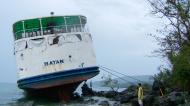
<point>53,40</point>
<point>45,32</point>
<point>79,36</point>
<point>62,40</point>
<point>26,35</point>
<point>23,35</point>
<point>38,39</point>
<point>73,38</point>
<point>90,37</point>
<point>19,46</point>
<point>87,38</point>
<point>56,40</point>
<point>37,42</point>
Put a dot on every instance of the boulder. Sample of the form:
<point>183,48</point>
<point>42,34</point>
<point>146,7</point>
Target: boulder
<point>86,91</point>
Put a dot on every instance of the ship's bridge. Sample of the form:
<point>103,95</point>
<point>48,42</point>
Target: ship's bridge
<point>49,25</point>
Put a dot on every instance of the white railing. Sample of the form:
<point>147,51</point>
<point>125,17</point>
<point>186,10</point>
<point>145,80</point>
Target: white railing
<point>50,30</point>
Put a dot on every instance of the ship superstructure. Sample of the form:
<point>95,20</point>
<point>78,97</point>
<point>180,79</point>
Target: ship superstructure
<point>53,52</point>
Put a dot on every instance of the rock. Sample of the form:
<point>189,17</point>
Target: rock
<point>176,98</point>
<point>134,102</point>
<point>128,94</point>
<point>164,101</point>
<point>174,93</point>
<point>104,103</point>
<point>148,100</point>
<point>158,101</point>
<point>116,104</point>
<point>91,101</point>
<point>107,94</point>
<point>86,91</point>
<point>173,99</point>
<point>127,97</point>
<point>100,93</point>
<point>111,94</point>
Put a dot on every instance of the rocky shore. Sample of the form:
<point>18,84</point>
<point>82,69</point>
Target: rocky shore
<point>154,95</point>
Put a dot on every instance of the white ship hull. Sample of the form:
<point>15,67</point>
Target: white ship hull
<point>53,57</point>
<point>41,57</point>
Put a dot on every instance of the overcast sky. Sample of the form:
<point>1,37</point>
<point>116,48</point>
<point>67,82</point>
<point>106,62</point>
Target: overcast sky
<point>119,29</point>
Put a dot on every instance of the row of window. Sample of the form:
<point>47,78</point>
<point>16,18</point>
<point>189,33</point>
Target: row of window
<point>39,42</point>
<point>50,30</point>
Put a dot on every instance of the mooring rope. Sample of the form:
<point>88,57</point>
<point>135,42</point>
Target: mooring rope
<point>106,69</point>
<point>116,75</point>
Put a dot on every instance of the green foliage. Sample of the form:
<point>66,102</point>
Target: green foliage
<point>181,67</point>
<point>165,76</point>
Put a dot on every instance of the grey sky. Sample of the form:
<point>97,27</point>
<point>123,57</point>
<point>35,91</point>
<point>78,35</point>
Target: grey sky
<point>119,29</point>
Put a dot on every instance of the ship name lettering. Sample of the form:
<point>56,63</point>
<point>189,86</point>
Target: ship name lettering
<point>53,62</point>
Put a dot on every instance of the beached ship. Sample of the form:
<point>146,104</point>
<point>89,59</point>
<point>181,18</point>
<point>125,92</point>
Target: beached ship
<point>53,54</point>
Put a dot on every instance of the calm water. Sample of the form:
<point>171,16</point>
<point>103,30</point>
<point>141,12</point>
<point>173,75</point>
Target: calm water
<point>10,95</point>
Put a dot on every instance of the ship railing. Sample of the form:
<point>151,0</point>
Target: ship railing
<point>51,30</point>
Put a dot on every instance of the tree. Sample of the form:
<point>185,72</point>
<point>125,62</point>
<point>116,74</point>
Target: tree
<point>176,32</point>
<point>165,76</point>
<point>112,83</point>
<point>174,39</point>
<point>181,68</point>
